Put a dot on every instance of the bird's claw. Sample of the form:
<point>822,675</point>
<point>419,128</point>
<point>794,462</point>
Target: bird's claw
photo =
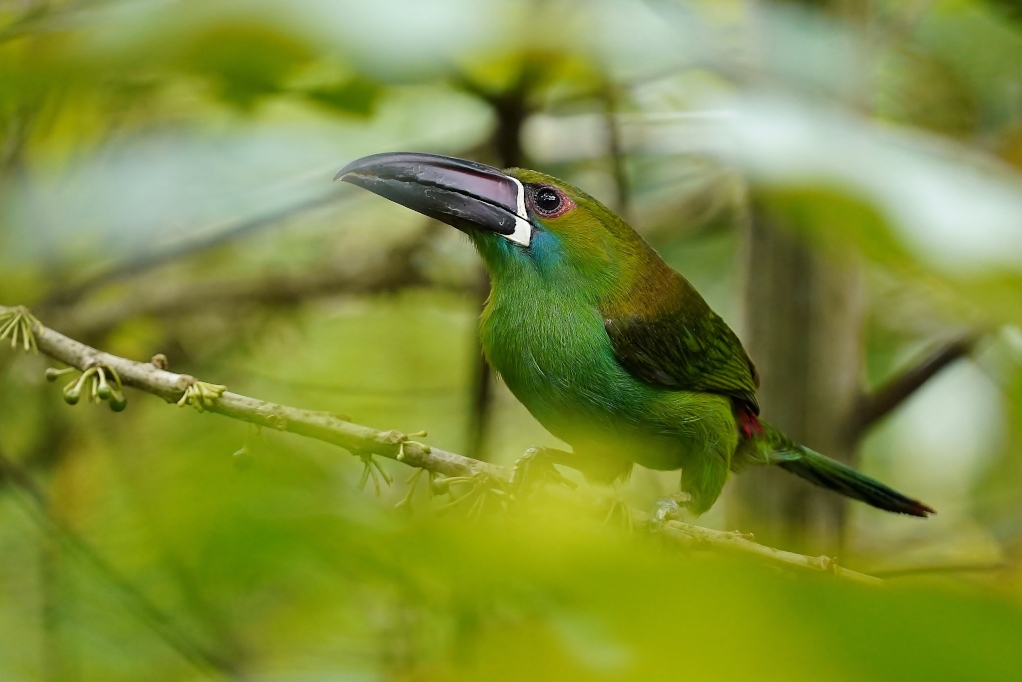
<point>534,468</point>
<point>201,396</point>
<point>670,508</point>
<point>17,323</point>
<point>97,382</point>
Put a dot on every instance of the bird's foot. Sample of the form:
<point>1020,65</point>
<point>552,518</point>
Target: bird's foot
<point>97,382</point>
<point>535,468</point>
<point>670,508</point>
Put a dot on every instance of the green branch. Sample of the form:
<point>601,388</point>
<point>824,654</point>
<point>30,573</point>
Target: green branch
<point>364,442</point>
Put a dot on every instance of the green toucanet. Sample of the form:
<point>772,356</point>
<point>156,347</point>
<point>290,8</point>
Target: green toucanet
<point>609,348</point>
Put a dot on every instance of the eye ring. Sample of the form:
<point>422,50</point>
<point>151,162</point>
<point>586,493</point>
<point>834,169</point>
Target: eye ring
<point>549,202</point>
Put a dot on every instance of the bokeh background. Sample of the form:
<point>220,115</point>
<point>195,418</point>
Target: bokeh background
<point>840,179</point>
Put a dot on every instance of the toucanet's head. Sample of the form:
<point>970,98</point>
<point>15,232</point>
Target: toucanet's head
<point>523,222</point>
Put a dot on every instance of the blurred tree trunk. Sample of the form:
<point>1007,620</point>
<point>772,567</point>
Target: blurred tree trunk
<point>803,329</point>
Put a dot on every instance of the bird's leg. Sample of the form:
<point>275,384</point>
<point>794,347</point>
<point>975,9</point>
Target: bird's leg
<point>536,467</point>
<point>700,485</point>
<point>670,508</point>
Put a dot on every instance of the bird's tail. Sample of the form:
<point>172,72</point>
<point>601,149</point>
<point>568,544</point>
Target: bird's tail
<point>767,445</point>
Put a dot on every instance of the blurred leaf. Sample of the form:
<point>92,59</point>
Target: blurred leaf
<point>832,219</point>
<point>246,62</point>
<point>920,90</point>
<point>983,46</point>
<point>356,96</point>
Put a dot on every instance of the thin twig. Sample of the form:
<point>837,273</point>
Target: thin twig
<point>510,107</point>
<point>615,150</point>
<point>482,383</point>
<point>147,260</point>
<point>363,440</point>
<point>874,406</point>
<point>925,569</point>
<point>697,536</point>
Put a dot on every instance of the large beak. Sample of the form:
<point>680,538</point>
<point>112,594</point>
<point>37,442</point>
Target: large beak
<point>465,194</point>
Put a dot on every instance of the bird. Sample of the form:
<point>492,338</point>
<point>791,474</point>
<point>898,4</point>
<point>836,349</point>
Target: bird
<point>609,348</point>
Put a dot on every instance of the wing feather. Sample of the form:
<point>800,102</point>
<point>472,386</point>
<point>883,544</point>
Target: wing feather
<point>685,347</point>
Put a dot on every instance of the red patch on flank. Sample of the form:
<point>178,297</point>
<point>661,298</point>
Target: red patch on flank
<point>748,422</point>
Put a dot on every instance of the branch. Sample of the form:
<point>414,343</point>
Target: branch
<point>224,233</point>
<point>396,271</point>
<point>363,440</point>
<point>321,426</point>
<point>510,107</point>
<point>153,258</point>
<point>923,569</point>
<point>689,535</point>
<point>874,406</point>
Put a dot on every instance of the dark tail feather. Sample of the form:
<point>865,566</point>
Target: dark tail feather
<point>829,473</point>
<point>775,448</point>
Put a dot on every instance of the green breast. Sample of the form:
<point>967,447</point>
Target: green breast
<point>554,354</point>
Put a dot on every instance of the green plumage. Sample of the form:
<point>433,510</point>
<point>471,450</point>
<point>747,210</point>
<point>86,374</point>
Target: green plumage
<point>679,349</point>
<point>609,348</point>
<point>619,356</point>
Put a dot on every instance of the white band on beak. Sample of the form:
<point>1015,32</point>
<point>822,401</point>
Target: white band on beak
<point>523,228</point>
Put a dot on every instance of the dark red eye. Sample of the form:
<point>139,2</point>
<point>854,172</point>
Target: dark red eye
<point>549,202</point>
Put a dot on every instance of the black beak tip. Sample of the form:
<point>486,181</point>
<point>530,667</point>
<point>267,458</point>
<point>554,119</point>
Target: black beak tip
<point>339,175</point>
<point>371,163</point>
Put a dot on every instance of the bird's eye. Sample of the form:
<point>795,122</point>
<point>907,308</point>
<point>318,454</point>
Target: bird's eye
<point>547,200</point>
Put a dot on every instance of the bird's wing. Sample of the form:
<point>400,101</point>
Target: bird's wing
<point>685,346</point>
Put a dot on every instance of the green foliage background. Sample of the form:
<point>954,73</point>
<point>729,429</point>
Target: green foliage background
<point>195,141</point>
